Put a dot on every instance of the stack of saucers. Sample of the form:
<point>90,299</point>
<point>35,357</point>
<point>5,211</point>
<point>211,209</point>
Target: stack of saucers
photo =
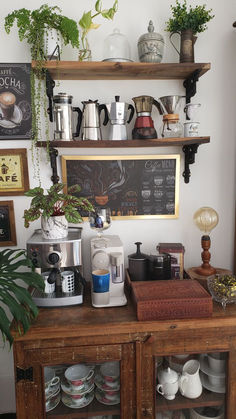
<point>52,389</point>
<point>212,374</point>
<point>77,386</point>
<point>108,383</point>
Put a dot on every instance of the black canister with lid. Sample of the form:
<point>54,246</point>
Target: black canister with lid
<point>138,265</point>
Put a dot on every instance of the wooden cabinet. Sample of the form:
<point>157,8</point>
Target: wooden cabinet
<point>83,334</point>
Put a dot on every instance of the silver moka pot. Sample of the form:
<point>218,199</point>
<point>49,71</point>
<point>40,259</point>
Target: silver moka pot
<point>90,120</point>
<point>63,117</point>
<point>118,116</point>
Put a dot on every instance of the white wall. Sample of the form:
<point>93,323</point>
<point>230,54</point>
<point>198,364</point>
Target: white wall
<point>213,175</point>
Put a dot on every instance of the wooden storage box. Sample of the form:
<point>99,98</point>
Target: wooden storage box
<point>171,299</point>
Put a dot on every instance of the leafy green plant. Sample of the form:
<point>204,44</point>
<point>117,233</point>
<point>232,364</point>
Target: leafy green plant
<point>34,27</point>
<point>194,18</point>
<point>55,202</point>
<point>15,297</point>
<point>86,24</point>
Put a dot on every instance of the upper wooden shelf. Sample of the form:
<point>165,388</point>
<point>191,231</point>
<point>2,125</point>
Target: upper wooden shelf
<point>157,142</point>
<point>106,70</point>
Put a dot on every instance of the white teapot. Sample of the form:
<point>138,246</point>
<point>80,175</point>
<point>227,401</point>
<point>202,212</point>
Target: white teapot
<point>168,383</point>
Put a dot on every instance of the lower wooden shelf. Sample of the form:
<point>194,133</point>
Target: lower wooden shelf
<point>156,142</point>
<point>93,409</point>
<point>207,398</point>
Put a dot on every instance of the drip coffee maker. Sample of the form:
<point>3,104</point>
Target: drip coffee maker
<point>118,116</point>
<point>59,261</point>
<point>171,126</point>
<point>144,126</point>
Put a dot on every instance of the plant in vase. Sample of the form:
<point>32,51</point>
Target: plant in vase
<point>14,296</point>
<point>56,209</point>
<point>86,24</point>
<point>187,22</point>
<point>36,27</point>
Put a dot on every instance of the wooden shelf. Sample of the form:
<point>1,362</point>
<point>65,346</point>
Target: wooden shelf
<point>207,398</point>
<point>158,142</point>
<point>93,409</point>
<point>99,70</point>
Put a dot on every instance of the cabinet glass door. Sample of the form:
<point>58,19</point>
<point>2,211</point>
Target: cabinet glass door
<point>191,386</point>
<point>83,390</point>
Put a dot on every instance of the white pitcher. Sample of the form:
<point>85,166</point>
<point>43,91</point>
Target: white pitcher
<point>190,384</point>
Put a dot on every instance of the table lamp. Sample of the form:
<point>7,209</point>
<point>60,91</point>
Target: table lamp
<point>206,219</point>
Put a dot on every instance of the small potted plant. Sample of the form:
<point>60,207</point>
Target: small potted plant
<point>15,297</point>
<point>86,24</point>
<point>36,27</point>
<point>56,209</point>
<point>187,22</point>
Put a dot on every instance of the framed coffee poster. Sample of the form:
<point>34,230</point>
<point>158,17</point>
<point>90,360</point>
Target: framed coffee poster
<point>131,186</point>
<point>15,101</point>
<point>14,177</point>
<point>7,224</point>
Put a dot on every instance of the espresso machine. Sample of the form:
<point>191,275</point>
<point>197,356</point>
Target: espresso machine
<point>118,116</point>
<point>59,261</point>
<point>107,253</point>
<point>63,117</point>
<point>144,127</point>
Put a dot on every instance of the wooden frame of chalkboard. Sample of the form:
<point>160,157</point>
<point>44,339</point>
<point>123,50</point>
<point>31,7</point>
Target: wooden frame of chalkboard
<point>133,187</point>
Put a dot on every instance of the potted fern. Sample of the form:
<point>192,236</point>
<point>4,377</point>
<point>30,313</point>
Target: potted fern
<point>56,209</point>
<point>187,22</point>
<point>36,27</point>
<point>13,296</point>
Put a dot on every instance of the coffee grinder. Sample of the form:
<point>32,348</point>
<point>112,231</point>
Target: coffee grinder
<point>59,261</point>
<point>168,107</point>
<point>107,253</point>
<point>144,127</point>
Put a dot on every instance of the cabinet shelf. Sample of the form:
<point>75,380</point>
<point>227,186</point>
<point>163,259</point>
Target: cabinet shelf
<point>93,409</point>
<point>207,398</point>
<point>157,142</point>
<point>99,70</point>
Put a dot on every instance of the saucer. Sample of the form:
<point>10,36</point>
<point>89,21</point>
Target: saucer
<point>204,367</point>
<point>209,386</point>
<point>106,385</point>
<point>68,388</point>
<point>15,119</point>
<point>69,402</point>
<point>100,397</point>
<point>53,401</point>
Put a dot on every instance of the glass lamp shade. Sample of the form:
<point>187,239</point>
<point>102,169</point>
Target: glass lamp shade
<point>206,219</point>
<point>116,47</point>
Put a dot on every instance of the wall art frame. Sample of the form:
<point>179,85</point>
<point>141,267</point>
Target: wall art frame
<point>14,176</point>
<point>133,187</point>
<point>7,224</point>
<point>15,101</point>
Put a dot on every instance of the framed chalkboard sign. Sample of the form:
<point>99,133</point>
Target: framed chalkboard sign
<point>131,186</point>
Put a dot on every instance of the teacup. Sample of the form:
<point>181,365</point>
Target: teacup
<point>78,398</point>
<point>51,381</point>
<point>53,400</point>
<point>217,361</point>
<point>111,395</point>
<point>110,371</point>
<point>78,375</point>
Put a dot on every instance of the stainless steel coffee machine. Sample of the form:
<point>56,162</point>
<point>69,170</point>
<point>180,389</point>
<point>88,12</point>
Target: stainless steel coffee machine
<point>59,261</point>
<point>63,117</point>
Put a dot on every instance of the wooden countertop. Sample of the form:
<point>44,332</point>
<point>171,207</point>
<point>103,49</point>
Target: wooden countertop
<point>84,320</point>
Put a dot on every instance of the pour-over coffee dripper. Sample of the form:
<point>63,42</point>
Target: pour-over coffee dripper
<point>171,125</point>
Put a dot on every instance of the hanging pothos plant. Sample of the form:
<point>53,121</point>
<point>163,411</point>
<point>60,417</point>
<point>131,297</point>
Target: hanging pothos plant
<point>35,26</point>
<point>86,24</point>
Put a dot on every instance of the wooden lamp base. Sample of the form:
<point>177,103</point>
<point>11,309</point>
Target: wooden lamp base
<point>205,269</point>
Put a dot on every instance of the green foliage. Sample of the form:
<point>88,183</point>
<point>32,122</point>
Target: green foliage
<point>86,24</point>
<point>192,18</point>
<point>15,297</point>
<point>55,202</point>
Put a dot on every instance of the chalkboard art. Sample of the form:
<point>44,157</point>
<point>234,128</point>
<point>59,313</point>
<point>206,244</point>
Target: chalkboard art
<point>131,186</point>
<point>7,224</point>
<point>15,101</point>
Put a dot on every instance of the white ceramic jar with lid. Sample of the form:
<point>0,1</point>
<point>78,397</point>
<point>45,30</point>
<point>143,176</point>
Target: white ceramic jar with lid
<point>151,46</point>
<point>168,383</point>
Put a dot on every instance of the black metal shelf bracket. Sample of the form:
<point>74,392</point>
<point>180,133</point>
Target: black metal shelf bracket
<point>189,151</point>
<point>50,84</point>
<point>190,85</point>
<point>53,153</point>
<point>22,374</point>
